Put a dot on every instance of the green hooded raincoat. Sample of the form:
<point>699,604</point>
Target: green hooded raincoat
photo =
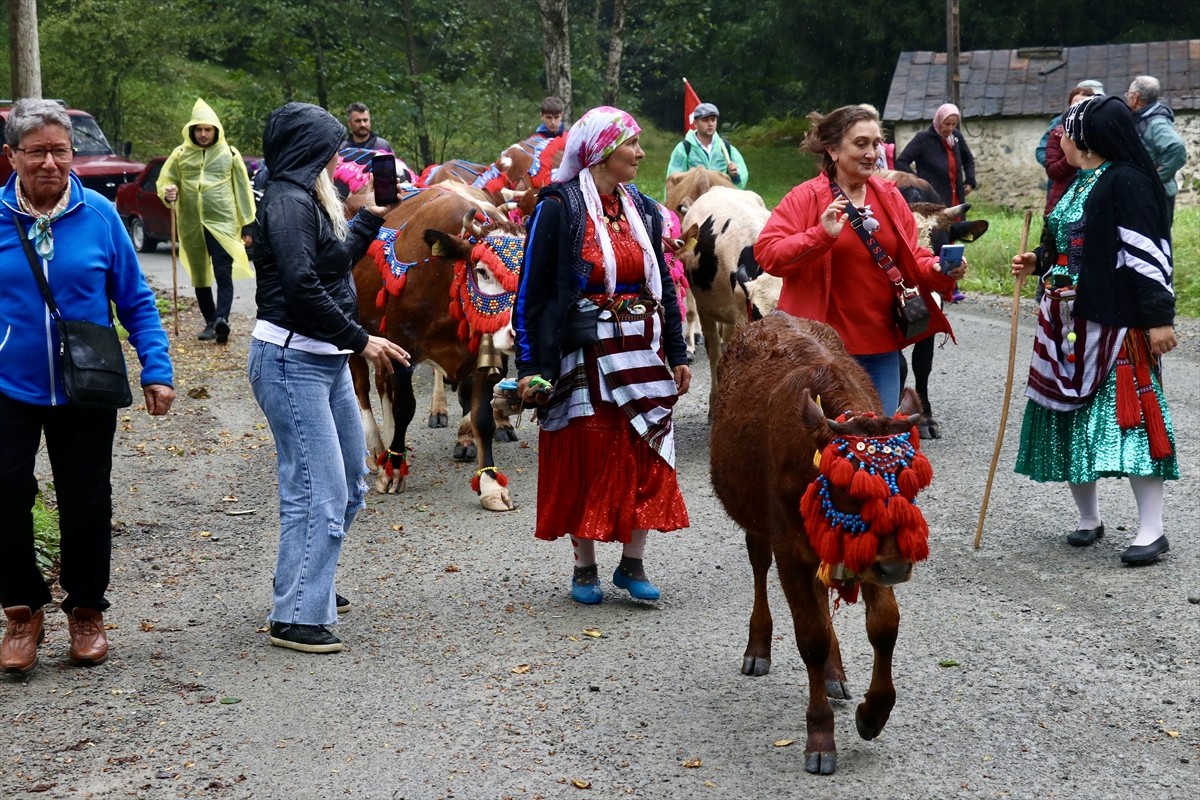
<point>214,193</point>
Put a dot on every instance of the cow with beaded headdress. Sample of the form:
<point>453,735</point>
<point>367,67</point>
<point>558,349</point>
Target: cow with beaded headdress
<point>825,486</point>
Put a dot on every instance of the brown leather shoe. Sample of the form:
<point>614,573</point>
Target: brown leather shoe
<point>89,645</point>
<point>18,651</point>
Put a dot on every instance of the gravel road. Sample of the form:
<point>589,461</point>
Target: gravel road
<point>1024,669</point>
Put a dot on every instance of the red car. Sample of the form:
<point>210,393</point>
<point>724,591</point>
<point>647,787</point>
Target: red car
<point>146,217</point>
<point>95,162</point>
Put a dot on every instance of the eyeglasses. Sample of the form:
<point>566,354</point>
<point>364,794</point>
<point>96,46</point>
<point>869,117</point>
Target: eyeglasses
<point>37,154</point>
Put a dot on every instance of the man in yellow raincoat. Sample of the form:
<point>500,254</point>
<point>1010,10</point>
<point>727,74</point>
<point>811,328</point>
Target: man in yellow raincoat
<point>208,179</point>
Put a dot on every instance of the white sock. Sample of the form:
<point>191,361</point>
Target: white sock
<point>585,551</point>
<point>1087,501</point>
<point>1149,495</point>
<point>637,545</point>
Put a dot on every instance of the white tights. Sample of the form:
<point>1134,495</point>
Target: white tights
<point>1149,495</point>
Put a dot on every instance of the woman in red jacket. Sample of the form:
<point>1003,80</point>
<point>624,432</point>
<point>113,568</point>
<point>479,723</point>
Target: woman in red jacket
<point>828,273</point>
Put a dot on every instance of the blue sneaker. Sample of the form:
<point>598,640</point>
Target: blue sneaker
<point>585,586</point>
<point>638,588</point>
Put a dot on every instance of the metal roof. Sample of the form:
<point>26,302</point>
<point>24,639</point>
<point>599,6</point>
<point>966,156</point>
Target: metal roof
<point>1034,81</point>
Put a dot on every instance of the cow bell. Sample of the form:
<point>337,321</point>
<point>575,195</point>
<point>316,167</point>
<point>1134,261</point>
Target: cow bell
<point>489,361</point>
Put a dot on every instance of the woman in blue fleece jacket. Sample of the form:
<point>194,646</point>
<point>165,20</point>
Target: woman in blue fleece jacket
<point>85,254</point>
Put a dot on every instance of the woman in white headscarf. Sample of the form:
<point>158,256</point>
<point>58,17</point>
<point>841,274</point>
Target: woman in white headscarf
<point>600,351</point>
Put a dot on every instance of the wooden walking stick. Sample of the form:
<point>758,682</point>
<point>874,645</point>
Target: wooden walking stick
<point>174,273</point>
<point>1019,283</point>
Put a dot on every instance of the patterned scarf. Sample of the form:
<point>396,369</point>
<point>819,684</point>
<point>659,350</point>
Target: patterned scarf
<point>592,139</point>
<point>39,232</point>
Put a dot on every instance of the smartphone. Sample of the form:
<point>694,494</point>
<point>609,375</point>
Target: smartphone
<point>952,256</point>
<point>383,179</point>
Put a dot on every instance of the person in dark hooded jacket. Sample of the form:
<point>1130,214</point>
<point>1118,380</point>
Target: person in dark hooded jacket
<point>307,328</point>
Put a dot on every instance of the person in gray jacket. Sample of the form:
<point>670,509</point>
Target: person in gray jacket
<point>1156,125</point>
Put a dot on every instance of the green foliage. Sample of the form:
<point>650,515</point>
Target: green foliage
<point>45,532</point>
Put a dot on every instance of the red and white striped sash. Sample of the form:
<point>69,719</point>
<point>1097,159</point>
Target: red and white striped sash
<point>625,368</point>
<point>1063,374</point>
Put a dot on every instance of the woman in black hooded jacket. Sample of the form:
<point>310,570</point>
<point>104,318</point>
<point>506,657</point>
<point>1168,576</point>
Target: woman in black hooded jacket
<point>307,328</point>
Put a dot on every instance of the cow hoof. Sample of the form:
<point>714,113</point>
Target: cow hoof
<point>836,690</point>
<point>493,496</point>
<point>929,429</point>
<point>867,732</point>
<point>820,763</point>
<point>389,485</point>
<point>504,435</point>
<point>439,421</point>
<point>464,452</point>
<point>755,666</point>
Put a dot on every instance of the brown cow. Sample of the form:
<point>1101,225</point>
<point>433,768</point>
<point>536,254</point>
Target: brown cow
<point>829,500</point>
<point>403,291</point>
<point>936,225</point>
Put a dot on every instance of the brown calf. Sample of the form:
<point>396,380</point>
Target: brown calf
<point>828,500</point>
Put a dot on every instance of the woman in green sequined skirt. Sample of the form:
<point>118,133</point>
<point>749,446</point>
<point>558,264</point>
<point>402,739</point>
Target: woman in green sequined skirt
<point>1096,403</point>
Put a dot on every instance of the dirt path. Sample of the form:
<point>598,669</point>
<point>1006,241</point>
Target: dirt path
<point>1024,669</point>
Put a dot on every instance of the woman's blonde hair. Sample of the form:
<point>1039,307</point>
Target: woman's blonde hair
<point>826,131</point>
<point>331,201</point>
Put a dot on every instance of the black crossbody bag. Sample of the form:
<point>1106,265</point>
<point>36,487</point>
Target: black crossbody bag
<point>908,308</point>
<point>93,363</point>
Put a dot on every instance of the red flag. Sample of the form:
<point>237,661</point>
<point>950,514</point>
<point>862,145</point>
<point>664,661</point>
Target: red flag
<point>690,101</point>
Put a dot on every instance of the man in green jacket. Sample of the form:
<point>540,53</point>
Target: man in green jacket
<point>704,147</point>
<point>1156,125</point>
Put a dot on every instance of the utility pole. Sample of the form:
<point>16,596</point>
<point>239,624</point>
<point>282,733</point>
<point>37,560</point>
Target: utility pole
<point>952,52</point>
<point>24,55</point>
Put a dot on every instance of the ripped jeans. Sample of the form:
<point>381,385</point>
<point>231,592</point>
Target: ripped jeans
<point>309,402</point>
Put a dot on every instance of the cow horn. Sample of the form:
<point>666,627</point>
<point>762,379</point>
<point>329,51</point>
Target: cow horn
<point>959,210</point>
<point>470,225</point>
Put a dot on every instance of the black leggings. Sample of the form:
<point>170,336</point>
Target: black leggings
<point>79,442</point>
<point>223,274</point>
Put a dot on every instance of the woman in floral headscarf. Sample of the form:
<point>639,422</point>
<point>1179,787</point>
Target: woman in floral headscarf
<point>600,351</point>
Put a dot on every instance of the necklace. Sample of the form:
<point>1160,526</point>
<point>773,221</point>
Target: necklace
<point>614,220</point>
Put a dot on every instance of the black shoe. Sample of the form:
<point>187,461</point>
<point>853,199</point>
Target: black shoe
<point>343,605</point>
<point>221,330</point>
<point>305,638</point>
<point>1085,536</point>
<point>209,333</point>
<point>1135,555</point>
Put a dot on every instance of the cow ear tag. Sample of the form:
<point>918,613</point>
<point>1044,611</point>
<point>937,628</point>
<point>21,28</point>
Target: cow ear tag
<point>690,245</point>
<point>438,250</point>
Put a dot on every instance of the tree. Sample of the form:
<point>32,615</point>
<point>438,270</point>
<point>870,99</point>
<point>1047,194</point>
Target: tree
<point>24,56</point>
<point>616,45</point>
<point>556,47</point>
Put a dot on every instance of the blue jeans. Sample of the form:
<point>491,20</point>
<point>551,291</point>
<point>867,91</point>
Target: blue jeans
<point>309,403</point>
<point>884,371</point>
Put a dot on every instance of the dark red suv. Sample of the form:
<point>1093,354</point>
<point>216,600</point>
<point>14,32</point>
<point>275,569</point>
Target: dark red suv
<point>95,162</point>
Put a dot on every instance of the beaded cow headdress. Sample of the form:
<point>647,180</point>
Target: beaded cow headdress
<point>884,475</point>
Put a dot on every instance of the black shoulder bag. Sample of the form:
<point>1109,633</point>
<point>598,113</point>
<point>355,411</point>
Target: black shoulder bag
<point>93,364</point>
<point>909,308</point>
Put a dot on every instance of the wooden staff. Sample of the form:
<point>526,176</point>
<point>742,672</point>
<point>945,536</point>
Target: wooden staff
<point>174,273</point>
<point>1019,283</point>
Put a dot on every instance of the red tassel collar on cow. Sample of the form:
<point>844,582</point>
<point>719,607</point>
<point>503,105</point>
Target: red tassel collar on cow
<point>883,474</point>
<point>477,311</point>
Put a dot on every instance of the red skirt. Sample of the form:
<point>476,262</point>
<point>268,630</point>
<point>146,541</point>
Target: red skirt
<point>597,479</point>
